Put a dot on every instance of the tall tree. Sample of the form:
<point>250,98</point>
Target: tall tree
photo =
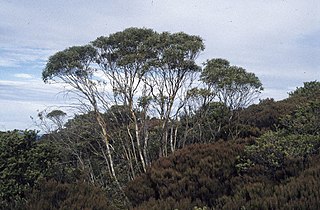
<point>135,74</point>
<point>171,77</point>
<point>125,58</point>
<point>75,67</point>
<point>232,85</point>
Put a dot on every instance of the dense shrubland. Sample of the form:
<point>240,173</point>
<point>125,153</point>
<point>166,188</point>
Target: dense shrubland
<point>157,140</point>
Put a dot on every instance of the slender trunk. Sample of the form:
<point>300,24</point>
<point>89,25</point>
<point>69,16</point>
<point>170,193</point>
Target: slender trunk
<point>175,138</point>
<point>164,130</point>
<point>234,125</point>
<point>129,161</point>
<point>145,147</point>
<point>200,133</point>
<point>106,159</point>
<point>171,139</point>
<point>106,141</point>
<point>138,141</point>
<point>114,174</point>
<point>165,151</point>
<point>186,130</point>
<point>132,145</point>
<point>133,173</point>
<point>111,165</point>
<point>108,150</point>
<point>91,173</point>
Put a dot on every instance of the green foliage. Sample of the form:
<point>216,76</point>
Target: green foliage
<point>73,62</point>
<point>272,150</point>
<point>125,51</point>
<point>200,96</point>
<point>178,51</point>
<point>310,90</point>
<point>206,124</point>
<point>218,72</point>
<point>233,85</point>
<point>56,113</point>
<point>14,163</point>
<point>304,120</point>
<point>23,162</point>
<point>295,115</point>
<point>55,116</point>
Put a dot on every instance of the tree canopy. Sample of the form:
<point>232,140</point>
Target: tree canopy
<point>232,85</point>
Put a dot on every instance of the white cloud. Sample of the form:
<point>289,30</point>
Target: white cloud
<point>17,56</point>
<point>21,99</point>
<point>30,92</point>
<point>275,93</point>
<point>8,63</point>
<point>24,76</point>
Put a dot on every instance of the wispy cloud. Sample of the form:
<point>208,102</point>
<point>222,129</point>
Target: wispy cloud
<point>21,99</point>
<point>24,76</point>
<point>30,90</point>
<point>22,56</point>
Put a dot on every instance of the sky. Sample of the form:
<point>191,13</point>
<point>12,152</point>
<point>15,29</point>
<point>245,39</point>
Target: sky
<point>278,40</point>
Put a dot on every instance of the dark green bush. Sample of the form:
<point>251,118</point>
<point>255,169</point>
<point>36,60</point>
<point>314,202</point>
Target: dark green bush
<point>55,195</point>
<point>24,160</point>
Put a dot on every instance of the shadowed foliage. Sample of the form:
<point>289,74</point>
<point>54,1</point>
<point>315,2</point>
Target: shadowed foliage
<point>55,195</point>
<point>197,175</point>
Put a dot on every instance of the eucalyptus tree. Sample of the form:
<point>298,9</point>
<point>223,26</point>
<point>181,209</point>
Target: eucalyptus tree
<point>125,57</point>
<point>172,75</point>
<point>140,73</point>
<point>57,117</point>
<point>147,70</point>
<point>49,120</point>
<point>75,67</point>
<point>231,85</point>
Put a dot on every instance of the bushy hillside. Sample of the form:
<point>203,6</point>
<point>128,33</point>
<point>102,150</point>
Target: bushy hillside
<point>157,131</point>
<point>215,176</point>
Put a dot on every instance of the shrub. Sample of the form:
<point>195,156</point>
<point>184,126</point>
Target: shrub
<point>274,152</point>
<point>299,192</point>
<point>194,176</point>
<point>56,195</point>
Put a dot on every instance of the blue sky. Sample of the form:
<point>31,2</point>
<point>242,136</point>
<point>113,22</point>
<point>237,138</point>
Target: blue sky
<point>278,40</point>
